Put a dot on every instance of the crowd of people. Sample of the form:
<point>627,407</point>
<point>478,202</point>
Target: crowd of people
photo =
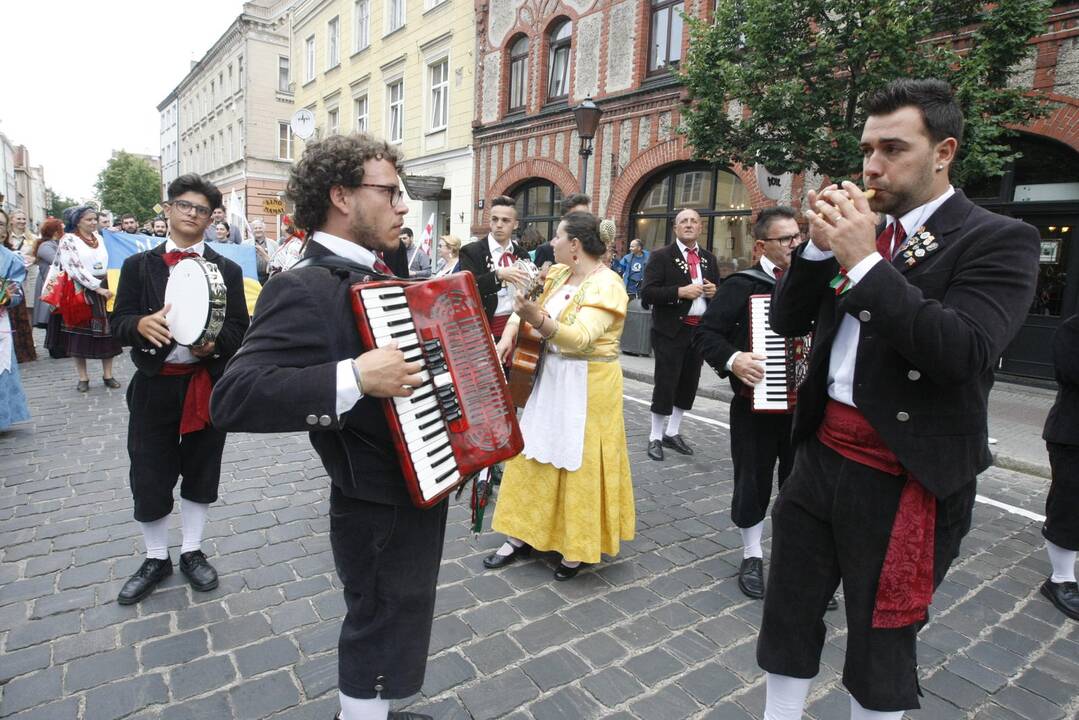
<point>877,452</point>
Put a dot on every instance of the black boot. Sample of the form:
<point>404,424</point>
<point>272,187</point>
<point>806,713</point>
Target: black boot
<point>142,583</point>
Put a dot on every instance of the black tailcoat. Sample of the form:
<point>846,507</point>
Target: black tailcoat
<point>931,335</point>
<point>665,272</point>
<point>1062,424</point>
<point>476,258</point>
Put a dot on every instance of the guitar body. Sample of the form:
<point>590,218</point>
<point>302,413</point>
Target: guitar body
<point>525,363</point>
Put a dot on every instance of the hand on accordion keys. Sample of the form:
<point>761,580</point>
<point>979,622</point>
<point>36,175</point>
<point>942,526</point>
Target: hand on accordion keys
<point>747,367</point>
<point>384,373</point>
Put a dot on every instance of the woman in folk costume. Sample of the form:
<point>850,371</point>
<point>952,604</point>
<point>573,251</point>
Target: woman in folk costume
<point>44,253</point>
<point>18,314</point>
<point>570,490</point>
<point>13,407</point>
<point>83,256</point>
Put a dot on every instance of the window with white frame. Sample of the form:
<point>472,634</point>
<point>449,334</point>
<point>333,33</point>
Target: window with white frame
<point>333,44</point>
<point>284,141</point>
<point>230,149</point>
<point>395,14</point>
<point>395,110</point>
<point>361,33</point>
<point>232,83</point>
<point>309,59</point>
<point>282,74</point>
<point>333,121</point>
<point>439,78</point>
<point>359,106</point>
<point>558,60</point>
<point>239,138</point>
<point>518,74</point>
<point>213,151</point>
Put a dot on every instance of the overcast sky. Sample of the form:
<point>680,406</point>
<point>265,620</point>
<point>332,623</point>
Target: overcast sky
<point>82,79</point>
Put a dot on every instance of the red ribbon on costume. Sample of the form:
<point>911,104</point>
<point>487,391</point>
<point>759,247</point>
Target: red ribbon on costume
<point>196,413</point>
<point>174,256</point>
<point>691,320</point>
<point>905,587</point>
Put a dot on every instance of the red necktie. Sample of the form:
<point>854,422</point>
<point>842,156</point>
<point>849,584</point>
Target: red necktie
<point>890,239</point>
<point>778,273</point>
<point>174,256</point>
<point>694,263</point>
<point>382,267</point>
<point>506,259</point>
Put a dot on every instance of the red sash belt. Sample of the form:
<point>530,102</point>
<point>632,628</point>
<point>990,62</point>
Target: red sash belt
<point>691,320</point>
<point>905,587</point>
<point>196,413</point>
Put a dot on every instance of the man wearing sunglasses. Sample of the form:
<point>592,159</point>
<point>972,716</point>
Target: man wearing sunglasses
<point>302,367</point>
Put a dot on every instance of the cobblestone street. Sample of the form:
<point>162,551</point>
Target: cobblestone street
<point>659,633</point>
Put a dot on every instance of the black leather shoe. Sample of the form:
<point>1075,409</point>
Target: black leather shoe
<point>676,443</point>
<point>655,449</point>
<point>111,383</point>
<point>751,577</point>
<point>198,570</point>
<point>495,561</point>
<point>83,386</point>
<point>142,583</point>
<point>563,573</point>
<point>1064,595</point>
<point>399,715</point>
<point>833,604</point>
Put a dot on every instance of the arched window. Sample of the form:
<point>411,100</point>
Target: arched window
<point>518,74</point>
<point>558,61</point>
<point>538,204</point>
<point>718,195</point>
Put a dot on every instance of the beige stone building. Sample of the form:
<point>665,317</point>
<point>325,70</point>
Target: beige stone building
<point>230,109</point>
<point>402,70</point>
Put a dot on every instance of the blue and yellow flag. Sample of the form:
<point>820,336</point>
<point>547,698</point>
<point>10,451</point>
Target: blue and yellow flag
<point>123,245</point>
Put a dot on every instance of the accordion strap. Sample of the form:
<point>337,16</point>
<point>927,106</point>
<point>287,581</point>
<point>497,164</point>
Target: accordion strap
<point>756,274</point>
<point>336,262</point>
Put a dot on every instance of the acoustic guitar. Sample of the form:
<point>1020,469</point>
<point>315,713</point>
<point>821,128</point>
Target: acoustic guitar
<point>528,352</point>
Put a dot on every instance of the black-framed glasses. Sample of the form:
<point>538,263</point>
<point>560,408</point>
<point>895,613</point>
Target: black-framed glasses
<point>392,190</point>
<point>786,239</point>
<point>188,207</point>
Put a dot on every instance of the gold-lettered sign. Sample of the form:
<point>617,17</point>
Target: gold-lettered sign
<point>273,206</point>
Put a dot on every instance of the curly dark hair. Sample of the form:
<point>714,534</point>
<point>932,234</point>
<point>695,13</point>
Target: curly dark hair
<point>337,160</point>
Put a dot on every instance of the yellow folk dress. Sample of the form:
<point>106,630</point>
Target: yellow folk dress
<point>588,511</point>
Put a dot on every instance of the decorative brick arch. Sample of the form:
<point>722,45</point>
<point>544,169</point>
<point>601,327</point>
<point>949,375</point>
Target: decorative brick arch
<point>1062,124</point>
<point>534,168</point>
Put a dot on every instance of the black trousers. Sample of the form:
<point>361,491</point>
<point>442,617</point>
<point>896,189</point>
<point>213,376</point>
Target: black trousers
<point>387,557</point>
<point>678,371</point>
<point>758,441</point>
<point>160,455</point>
<point>1062,505</point>
<point>832,522</point>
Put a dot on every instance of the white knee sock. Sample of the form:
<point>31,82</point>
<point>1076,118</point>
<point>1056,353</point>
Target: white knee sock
<point>857,712</point>
<point>156,536</point>
<point>193,516</point>
<point>1063,562</point>
<point>674,422</point>
<point>657,427</point>
<point>751,541</point>
<point>356,709</point>
<point>785,697</point>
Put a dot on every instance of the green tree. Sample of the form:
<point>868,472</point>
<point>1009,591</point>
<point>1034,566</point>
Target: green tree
<point>128,184</point>
<point>58,203</point>
<point>801,69</point>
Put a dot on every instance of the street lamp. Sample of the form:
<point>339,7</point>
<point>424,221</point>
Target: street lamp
<point>587,116</point>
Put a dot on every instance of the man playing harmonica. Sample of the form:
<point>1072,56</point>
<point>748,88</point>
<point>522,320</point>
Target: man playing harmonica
<point>890,427</point>
<point>302,367</point>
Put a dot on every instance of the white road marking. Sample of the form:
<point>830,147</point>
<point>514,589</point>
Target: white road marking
<point>1028,514</point>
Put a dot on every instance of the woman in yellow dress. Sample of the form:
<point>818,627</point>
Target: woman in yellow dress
<point>570,490</point>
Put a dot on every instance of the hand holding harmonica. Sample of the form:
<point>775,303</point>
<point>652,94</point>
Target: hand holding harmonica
<point>841,220</point>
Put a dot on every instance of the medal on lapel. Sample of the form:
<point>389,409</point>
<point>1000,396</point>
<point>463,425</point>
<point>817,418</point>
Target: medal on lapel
<point>920,245</point>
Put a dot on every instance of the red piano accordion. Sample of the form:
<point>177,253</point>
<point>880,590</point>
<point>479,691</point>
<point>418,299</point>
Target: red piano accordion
<point>786,363</point>
<point>461,420</point>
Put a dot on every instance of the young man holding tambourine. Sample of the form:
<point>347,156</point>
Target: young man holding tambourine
<point>169,432</point>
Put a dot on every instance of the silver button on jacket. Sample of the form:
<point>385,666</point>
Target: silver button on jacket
<point>865,316</point>
<point>312,419</point>
<point>914,375</point>
<point>902,416</point>
<point>325,420</point>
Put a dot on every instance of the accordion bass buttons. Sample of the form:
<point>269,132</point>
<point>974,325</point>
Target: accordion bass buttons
<point>865,316</point>
<point>902,416</point>
<point>312,419</point>
<point>914,375</point>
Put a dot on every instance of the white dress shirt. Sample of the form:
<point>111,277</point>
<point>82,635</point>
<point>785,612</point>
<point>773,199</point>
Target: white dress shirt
<point>845,346</point>
<point>181,354</point>
<point>505,299</point>
<point>769,267</point>
<point>348,390</point>
<point>699,304</point>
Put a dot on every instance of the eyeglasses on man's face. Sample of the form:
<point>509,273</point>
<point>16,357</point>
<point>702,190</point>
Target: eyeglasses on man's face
<point>392,190</point>
<point>187,208</point>
<point>786,239</point>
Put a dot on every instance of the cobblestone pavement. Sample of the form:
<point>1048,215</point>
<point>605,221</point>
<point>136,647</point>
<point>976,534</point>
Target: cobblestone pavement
<point>659,633</point>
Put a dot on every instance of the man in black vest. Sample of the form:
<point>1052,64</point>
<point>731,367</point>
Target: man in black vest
<point>758,440</point>
<point>303,367</point>
<point>1061,529</point>
<point>169,433</point>
<point>679,282</point>
<point>890,430</point>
